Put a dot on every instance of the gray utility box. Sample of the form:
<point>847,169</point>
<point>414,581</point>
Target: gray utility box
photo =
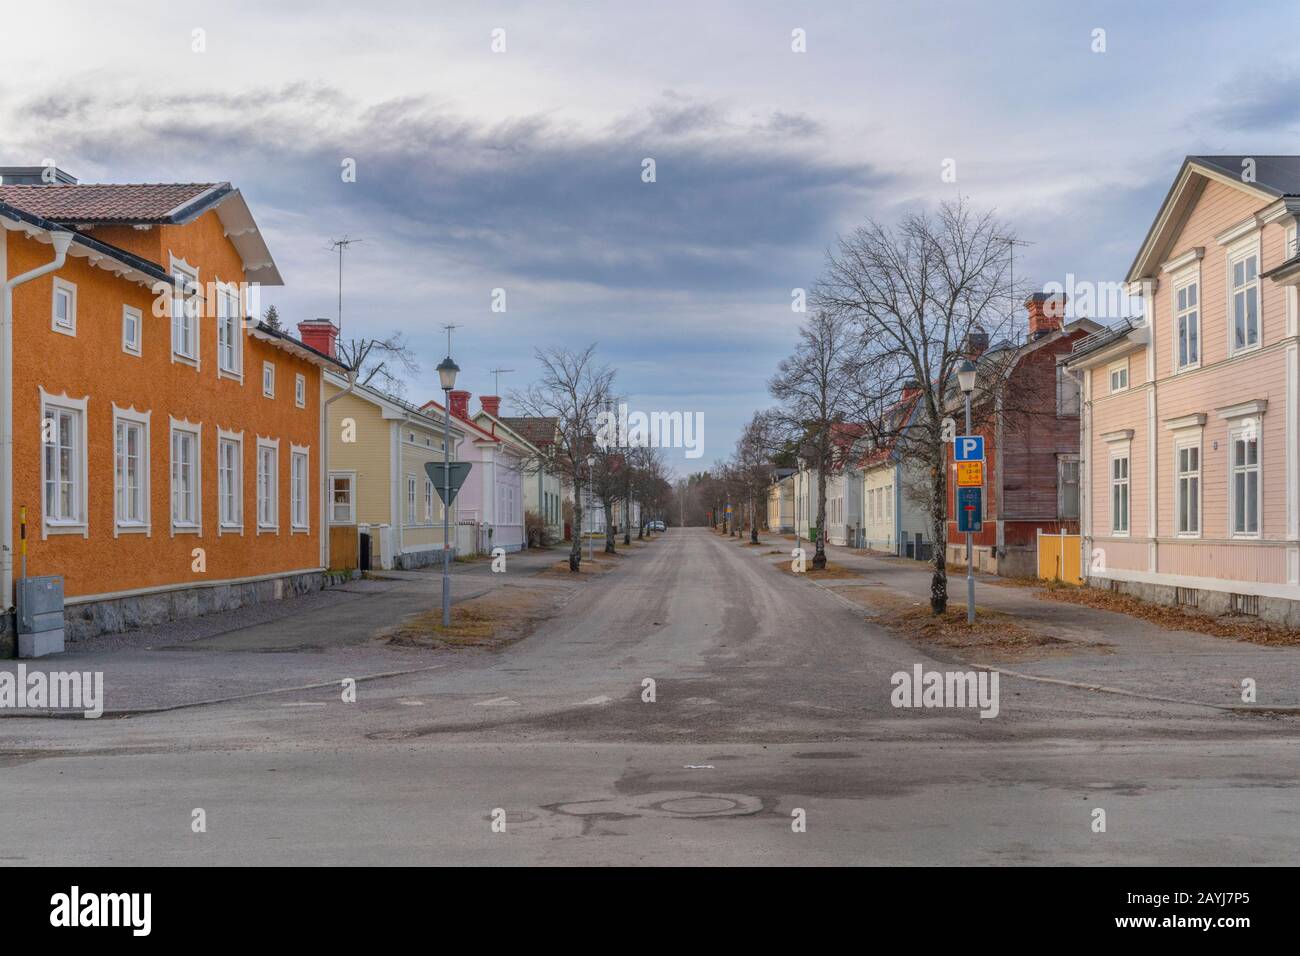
<point>40,616</point>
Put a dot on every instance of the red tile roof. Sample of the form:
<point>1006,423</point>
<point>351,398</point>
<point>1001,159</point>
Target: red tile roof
<point>107,202</point>
<point>536,431</point>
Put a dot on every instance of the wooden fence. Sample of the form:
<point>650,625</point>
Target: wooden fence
<point>1060,558</point>
<point>345,550</point>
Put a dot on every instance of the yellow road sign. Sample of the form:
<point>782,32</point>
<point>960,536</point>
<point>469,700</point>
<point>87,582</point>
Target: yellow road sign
<point>970,474</point>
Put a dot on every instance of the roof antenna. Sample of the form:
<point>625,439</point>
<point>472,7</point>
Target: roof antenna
<point>1012,242</point>
<point>497,373</point>
<point>449,328</point>
<point>340,245</point>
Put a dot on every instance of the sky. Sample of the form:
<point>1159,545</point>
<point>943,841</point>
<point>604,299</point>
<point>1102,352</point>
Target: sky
<point>521,169</point>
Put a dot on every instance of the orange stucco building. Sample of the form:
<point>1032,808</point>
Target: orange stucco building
<point>165,447</point>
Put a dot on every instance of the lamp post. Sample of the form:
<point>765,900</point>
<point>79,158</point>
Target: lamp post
<point>591,521</point>
<point>966,380</point>
<point>447,370</point>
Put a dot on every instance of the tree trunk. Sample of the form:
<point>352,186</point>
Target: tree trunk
<point>939,532</point>
<point>819,557</point>
<point>753,521</point>
<point>575,552</point>
<point>609,528</point>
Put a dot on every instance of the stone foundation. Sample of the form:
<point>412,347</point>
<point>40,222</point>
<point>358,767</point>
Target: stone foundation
<point>110,616</point>
<point>1280,611</point>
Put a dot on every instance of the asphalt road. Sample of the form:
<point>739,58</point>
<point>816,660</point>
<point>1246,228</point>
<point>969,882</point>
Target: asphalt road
<point>771,705</point>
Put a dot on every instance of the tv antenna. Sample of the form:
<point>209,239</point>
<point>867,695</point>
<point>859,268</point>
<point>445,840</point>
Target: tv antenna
<point>497,373</point>
<point>340,245</point>
<point>1012,242</point>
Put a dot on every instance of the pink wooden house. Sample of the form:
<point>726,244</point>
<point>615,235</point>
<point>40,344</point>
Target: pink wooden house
<point>1190,437</point>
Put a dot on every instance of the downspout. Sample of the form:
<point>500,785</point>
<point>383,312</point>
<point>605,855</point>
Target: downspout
<point>61,241</point>
<point>326,502</point>
<point>1085,468</point>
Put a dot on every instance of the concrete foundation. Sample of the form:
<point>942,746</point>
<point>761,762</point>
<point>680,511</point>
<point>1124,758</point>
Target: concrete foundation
<point>82,621</point>
<point>1280,611</point>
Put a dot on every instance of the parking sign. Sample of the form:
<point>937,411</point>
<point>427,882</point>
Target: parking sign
<point>969,448</point>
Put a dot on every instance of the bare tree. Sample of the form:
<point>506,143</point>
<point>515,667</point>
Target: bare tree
<point>924,296</point>
<point>753,465</point>
<point>381,363</point>
<point>815,389</point>
<point>572,389</point>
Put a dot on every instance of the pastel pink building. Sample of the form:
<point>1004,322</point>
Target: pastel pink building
<point>1190,438</point>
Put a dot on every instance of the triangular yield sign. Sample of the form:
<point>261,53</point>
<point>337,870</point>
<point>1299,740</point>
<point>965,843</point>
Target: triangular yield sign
<point>436,470</point>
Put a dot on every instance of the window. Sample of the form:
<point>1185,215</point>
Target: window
<point>230,480</point>
<point>1067,393</point>
<point>299,490</point>
<point>410,499</point>
<point>131,330</point>
<point>185,476</point>
<point>63,463</point>
<point>1119,376</point>
<point>428,500</point>
<point>230,358</point>
<point>1119,488</point>
<point>1243,270</point>
<point>268,515</point>
<point>130,470</point>
<point>1187,492</point>
<point>1187,319</point>
<point>185,314</point>
<point>1243,447</point>
<point>1067,476</point>
<point>300,390</point>
<point>63,314</point>
<point>268,380</point>
<point>341,501</point>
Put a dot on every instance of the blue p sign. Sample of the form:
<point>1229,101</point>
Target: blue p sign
<point>969,448</point>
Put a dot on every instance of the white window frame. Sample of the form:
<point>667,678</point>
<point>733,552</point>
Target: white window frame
<point>270,524</point>
<point>1189,280</point>
<point>230,327</point>
<point>77,524</point>
<point>299,490</point>
<point>185,311</point>
<point>1198,475</point>
<point>1241,251</point>
<point>428,500</point>
<point>300,390</point>
<point>411,513</point>
<point>1062,378</point>
<point>131,416</point>
<point>268,380</point>
<point>1126,482</point>
<point>195,430</point>
<point>351,478</point>
<point>134,315</point>
<point>62,287</point>
<point>1061,462</point>
<point>235,526</point>
<point>1112,370</point>
<point>1239,431</point>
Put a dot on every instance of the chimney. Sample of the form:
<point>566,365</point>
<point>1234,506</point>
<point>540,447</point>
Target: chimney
<point>977,341</point>
<point>458,399</point>
<point>1045,313</point>
<point>491,404</point>
<point>35,176</point>
<point>911,388</point>
<point>321,335</point>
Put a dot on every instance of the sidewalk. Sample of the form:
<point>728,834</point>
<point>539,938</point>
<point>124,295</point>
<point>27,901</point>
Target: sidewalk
<point>312,639</point>
<point>1135,655</point>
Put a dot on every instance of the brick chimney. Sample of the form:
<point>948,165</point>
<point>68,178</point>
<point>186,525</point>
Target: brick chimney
<point>459,402</point>
<point>321,335</point>
<point>491,404</point>
<point>976,342</point>
<point>1046,312</point>
<point>911,389</point>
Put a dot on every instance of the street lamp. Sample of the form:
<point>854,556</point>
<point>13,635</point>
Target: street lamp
<point>591,521</point>
<point>966,381</point>
<point>447,370</point>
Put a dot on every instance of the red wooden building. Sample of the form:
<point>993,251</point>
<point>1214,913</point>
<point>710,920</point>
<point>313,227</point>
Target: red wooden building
<point>1028,412</point>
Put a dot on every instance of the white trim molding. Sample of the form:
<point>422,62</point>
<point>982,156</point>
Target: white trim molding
<point>295,526</point>
<point>1194,420</point>
<point>272,526</point>
<point>81,524</point>
<point>190,428</point>
<point>237,438</point>
<point>132,415</point>
<point>1257,406</point>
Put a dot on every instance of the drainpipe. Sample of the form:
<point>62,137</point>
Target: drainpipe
<point>1085,458</point>
<point>326,497</point>
<point>61,240</point>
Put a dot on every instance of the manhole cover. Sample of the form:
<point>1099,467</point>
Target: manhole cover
<point>697,806</point>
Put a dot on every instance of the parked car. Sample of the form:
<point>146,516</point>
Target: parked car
<point>657,526</point>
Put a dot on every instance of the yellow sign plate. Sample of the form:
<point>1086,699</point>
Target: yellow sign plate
<point>970,474</point>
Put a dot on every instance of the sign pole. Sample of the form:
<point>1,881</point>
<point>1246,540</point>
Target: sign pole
<point>970,569</point>
<point>446,509</point>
